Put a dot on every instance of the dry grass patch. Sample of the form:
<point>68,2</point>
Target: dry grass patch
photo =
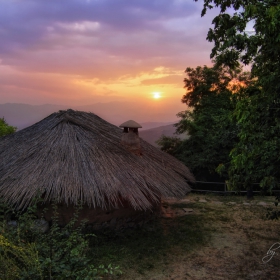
<point>217,240</point>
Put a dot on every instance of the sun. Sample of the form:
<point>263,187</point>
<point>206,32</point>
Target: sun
<point>156,95</point>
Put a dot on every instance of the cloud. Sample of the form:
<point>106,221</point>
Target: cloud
<point>173,79</point>
<point>24,23</point>
<point>98,42</point>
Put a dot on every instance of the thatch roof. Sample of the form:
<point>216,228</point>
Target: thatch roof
<point>74,157</point>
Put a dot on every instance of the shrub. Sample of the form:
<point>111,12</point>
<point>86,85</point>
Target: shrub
<point>62,253</point>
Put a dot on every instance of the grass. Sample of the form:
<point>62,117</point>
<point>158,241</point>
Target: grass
<point>218,239</point>
<point>146,248</point>
<point>232,238</point>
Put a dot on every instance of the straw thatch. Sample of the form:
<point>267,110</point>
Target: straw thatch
<point>75,157</point>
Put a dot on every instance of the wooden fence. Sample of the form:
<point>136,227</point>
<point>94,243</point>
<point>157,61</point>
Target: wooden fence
<point>223,188</point>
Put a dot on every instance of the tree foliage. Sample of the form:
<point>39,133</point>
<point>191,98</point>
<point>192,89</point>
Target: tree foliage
<point>5,129</point>
<point>212,133</point>
<point>255,157</point>
<point>234,43</point>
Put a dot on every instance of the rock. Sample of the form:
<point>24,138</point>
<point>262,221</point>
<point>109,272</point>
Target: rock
<point>231,203</point>
<point>246,203</point>
<point>262,203</point>
<point>202,200</point>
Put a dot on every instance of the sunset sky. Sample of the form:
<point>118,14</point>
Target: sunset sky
<point>79,52</point>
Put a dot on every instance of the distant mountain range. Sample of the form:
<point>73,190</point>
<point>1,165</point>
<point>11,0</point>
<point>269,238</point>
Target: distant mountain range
<point>24,115</point>
<point>153,134</point>
<point>150,125</point>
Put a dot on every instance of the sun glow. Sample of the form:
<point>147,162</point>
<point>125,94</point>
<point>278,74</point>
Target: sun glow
<point>156,95</point>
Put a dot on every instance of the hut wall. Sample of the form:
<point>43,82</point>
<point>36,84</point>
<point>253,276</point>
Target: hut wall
<point>99,218</point>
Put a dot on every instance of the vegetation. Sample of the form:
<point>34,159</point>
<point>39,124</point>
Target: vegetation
<point>214,235</point>
<point>211,98</point>
<point>238,136</point>
<point>255,156</point>
<point>211,241</point>
<point>76,253</point>
<point>6,129</point>
<point>62,253</point>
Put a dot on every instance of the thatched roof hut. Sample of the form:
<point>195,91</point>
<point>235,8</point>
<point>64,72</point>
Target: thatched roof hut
<point>75,157</point>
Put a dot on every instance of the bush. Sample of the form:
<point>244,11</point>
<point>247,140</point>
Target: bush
<point>62,253</point>
<point>5,129</point>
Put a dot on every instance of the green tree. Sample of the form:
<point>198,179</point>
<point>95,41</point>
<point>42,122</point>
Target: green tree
<point>256,156</point>
<point>235,43</point>
<point>212,132</point>
<point>6,129</point>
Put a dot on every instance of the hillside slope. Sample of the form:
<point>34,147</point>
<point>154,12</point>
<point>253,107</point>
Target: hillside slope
<point>153,134</point>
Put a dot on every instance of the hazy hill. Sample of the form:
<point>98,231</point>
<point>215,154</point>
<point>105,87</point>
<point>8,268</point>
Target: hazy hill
<point>150,125</point>
<point>23,115</point>
<point>152,135</point>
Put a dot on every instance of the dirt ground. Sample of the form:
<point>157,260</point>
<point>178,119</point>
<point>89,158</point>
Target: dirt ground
<point>240,237</point>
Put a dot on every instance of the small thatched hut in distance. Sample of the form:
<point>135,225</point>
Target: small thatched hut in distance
<point>74,157</point>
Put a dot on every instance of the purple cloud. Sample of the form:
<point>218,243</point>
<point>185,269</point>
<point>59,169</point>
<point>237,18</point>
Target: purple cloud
<point>25,23</point>
<point>102,40</point>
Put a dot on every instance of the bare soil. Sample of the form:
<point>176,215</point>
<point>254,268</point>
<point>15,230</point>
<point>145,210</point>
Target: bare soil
<point>239,233</point>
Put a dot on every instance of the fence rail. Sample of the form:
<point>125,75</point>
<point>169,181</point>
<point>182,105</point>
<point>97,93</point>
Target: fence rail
<point>224,189</point>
